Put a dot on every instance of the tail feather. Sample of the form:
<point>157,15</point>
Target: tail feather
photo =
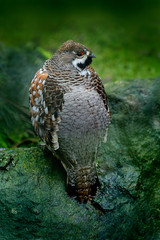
<point>85,183</point>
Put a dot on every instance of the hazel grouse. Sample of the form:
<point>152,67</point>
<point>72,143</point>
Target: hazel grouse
<point>69,111</point>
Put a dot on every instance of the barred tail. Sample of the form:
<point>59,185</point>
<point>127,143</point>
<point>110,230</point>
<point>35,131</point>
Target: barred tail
<point>82,183</point>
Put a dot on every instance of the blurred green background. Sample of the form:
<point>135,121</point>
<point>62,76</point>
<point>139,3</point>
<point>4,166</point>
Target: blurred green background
<point>124,35</point>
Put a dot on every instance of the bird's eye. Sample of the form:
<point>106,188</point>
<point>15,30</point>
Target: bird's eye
<point>80,53</point>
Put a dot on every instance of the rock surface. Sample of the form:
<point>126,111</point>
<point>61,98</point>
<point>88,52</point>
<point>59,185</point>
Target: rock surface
<point>33,199</point>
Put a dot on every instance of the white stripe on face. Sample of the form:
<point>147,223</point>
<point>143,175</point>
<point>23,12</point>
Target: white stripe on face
<point>76,61</point>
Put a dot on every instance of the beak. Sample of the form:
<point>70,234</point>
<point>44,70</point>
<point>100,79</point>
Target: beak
<point>92,55</point>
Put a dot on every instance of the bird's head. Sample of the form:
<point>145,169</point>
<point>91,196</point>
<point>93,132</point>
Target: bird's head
<point>76,54</point>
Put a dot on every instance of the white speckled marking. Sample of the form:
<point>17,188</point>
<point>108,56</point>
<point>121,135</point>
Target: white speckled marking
<point>32,119</point>
<point>53,118</point>
<point>55,141</point>
<point>41,120</point>
<point>39,92</point>
<point>58,120</point>
<point>105,137</point>
<point>36,100</point>
<point>84,72</point>
<point>54,138</point>
<point>37,117</point>
<point>35,109</point>
<point>41,99</point>
<point>46,110</point>
<point>34,92</point>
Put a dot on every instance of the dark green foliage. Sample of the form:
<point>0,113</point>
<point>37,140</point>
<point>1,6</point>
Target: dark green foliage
<point>17,68</point>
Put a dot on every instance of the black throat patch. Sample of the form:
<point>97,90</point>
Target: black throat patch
<point>85,64</point>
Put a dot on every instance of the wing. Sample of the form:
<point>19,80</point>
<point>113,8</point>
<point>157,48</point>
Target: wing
<point>96,82</point>
<point>46,100</point>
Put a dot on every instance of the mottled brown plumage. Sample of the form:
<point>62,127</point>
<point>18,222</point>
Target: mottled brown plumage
<point>69,111</point>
